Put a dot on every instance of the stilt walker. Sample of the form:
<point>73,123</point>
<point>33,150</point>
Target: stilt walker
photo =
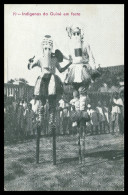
<point>48,86</point>
<point>80,74</point>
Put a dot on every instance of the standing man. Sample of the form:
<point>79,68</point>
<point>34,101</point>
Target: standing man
<point>117,119</point>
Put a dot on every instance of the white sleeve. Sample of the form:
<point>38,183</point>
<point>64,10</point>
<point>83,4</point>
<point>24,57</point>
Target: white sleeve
<point>71,101</point>
<point>30,102</point>
<point>120,102</point>
<point>91,57</point>
<point>36,62</point>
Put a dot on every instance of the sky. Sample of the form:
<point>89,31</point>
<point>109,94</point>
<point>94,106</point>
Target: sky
<point>103,26</point>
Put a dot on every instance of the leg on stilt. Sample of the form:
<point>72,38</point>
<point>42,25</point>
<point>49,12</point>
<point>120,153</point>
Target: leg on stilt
<point>79,148</point>
<point>39,125</point>
<point>52,105</point>
<point>37,144</point>
<point>83,144</point>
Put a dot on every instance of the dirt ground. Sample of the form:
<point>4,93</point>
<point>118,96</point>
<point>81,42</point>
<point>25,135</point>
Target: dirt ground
<point>103,169</point>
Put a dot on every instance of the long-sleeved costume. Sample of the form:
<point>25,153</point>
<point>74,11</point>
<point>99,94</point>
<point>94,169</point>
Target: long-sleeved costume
<point>83,69</point>
<point>48,83</point>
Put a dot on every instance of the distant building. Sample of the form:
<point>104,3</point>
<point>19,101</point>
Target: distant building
<point>114,69</point>
<point>18,90</point>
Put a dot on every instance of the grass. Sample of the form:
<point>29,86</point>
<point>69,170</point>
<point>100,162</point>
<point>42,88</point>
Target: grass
<point>103,169</point>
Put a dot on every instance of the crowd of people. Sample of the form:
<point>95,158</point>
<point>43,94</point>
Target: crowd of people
<point>105,116</point>
<point>21,122</point>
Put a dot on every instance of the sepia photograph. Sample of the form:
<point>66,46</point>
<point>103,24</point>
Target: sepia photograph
<point>63,97</point>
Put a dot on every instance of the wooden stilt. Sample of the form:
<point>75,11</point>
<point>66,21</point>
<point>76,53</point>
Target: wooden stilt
<point>79,147</point>
<point>54,144</point>
<point>53,129</point>
<point>37,144</point>
<point>83,146</point>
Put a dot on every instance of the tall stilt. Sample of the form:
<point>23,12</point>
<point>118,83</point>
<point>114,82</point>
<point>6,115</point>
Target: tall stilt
<point>53,129</point>
<point>54,144</point>
<point>79,146</point>
<point>37,144</point>
<point>83,145</point>
<point>39,120</point>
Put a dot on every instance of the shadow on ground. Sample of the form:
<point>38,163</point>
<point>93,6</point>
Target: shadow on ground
<point>105,154</point>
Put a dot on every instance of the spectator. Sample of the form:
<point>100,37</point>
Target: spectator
<point>9,114</point>
<point>33,102</point>
<point>29,116</point>
<point>84,117</point>
<point>106,116</point>
<point>104,88</point>
<point>122,109</point>
<point>117,119</point>
<point>90,123</point>
<point>101,117</point>
<point>93,119</point>
<point>75,105</point>
<point>5,121</point>
<point>14,105</point>
<point>66,118</point>
<point>64,114</point>
<point>24,104</point>
<point>61,106</point>
<point>20,121</point>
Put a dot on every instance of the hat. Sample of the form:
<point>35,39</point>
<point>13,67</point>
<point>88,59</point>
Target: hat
<point>47,40</point>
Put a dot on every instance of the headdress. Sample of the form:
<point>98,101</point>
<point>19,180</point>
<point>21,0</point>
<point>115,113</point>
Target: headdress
<point>74,29</point>
<point>47,40</point>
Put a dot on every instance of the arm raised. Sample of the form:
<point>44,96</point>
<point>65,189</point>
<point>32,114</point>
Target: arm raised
<point>33,63</point>
<point>60,69</point>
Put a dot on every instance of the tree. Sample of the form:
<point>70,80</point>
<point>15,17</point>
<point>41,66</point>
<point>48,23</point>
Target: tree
<point>11,81</point>
<point>23,80</point>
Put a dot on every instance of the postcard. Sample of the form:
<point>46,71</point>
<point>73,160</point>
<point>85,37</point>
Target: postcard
<point>64,97</point>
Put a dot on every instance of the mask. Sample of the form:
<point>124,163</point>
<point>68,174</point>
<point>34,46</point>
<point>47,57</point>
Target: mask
<point>47,46</point>
<point>76,38</point>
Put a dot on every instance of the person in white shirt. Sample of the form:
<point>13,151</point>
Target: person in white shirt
<point>101,116</point>
<point>122,109</point>
<point>64,115</point>
<point>89,111</point>
<point>93,119</point>
<point>117,104</point>
<point>84,100</point>
<point>106,115</point>
<point>24,104</point>
<point>75,105</point>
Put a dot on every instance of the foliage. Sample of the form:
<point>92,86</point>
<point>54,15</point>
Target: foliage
<point>23,80</point>
<point>11,81</point>
<point>16,79</point>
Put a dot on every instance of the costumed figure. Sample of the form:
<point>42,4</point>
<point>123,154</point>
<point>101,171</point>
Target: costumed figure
<point>48,84</point>
<point>83,69</point>
<point>80,75</point>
